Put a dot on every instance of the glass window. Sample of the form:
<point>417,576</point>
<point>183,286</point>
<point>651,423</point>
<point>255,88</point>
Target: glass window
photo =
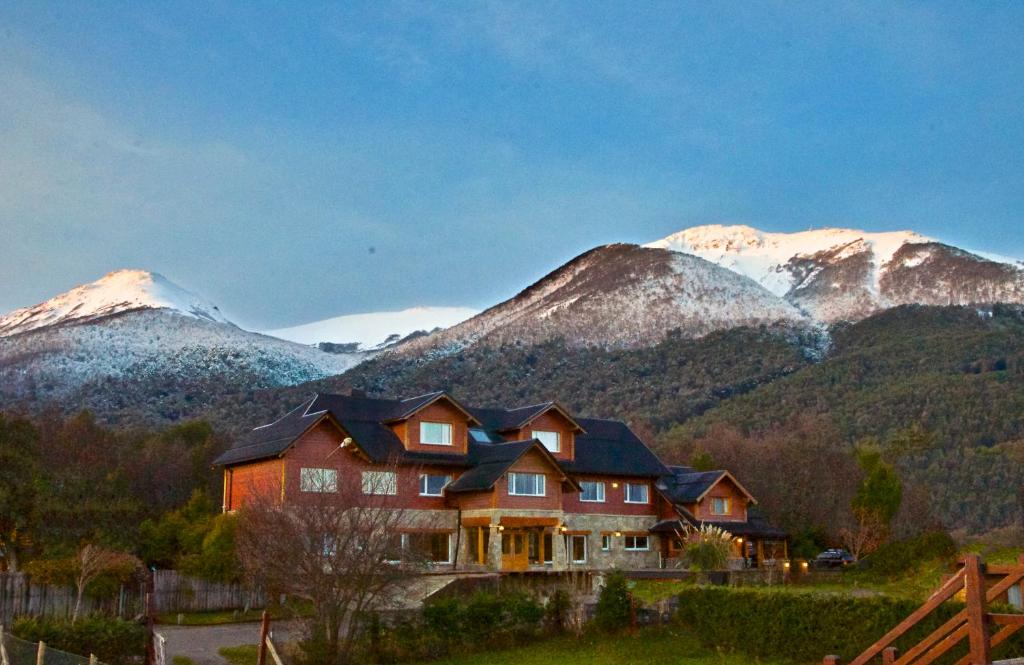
<point>431,485</point>
<point>548,548</point>
<point>578,547</point>
<point>481,436</point>
<point>606,542</point>
<point>636,493</point>
<point>592,491</point>
<point>551,440</point>
<point>526,484</point>
<point>637,543</point>
<point>318,480</point>
<point>720,506</point>
<point>380,482</point>
<point>436,434</point>
<point>432,547</point>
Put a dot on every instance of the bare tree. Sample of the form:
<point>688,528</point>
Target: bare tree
<point>93,561</point>
<point>866,533</point>
<point>343,545</point>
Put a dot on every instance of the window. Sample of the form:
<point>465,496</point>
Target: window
<point>436,434</point>
<point>431,485</point>
<point>380,482</point>
<point>578,548</point>
<point>549,550</point>
<point>478,540</point>
<point>481,436</point>
<point>636,493</point>
<point>431,547</point>
<point>551,440</point>
<point>637,543</point>
<point>526,484</point>
<point>720,505</point>
<point>592,491</point>
<point>606,542</point>
<point>318,480</point>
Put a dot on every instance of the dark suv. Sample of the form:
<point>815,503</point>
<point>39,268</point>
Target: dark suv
<point>833,558</point>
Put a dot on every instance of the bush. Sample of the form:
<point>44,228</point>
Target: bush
<point>556,612</point>
<point>114,641</point>
<point>777,624</point>
<point>614,605</point>
<point>900,556</point>
<point>482,621</point>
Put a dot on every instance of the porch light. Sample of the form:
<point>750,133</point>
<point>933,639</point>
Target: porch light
<point>501,528</point>
<point>618,534</point>
<point>803,566</point>
<point>563,528</point>
<point>739,540</point>
<point>785,565</point>
<point>615,486</point>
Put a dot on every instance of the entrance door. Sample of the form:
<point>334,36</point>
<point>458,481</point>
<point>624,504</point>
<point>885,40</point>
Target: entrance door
<point>514,554</point>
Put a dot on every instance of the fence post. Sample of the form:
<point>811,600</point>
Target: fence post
<point>147,605</point>
<point>41,653</point>
<point>832,660</point>
<point>3,648</point>
<point>889,655</point>
<point>977,621</point>
<point>261,659</point>
<point>93,660</point>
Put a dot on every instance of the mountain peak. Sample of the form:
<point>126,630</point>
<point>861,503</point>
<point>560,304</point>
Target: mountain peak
<point>118,291</point>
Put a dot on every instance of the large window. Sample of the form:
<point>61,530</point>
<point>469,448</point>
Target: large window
<point>431,485</point>
<point>551,440</point>
<point>429,547</point>
<point>578,548</point>
<point>720,505</point>
<point>636,493</point>
<point>592,491</point>
<point>638,543</point>
<point>318,480</point>
<point>526,484</point>
<point>436,434</point>
<point>380,482</point>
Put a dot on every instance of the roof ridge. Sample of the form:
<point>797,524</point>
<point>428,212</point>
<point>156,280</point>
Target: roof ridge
<point>300,406</point>
<point>432,392</point>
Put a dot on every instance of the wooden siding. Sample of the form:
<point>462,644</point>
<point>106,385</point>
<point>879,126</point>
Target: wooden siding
<point>244,481</point>
<point>724,489</point>
<point>614,498</point>
<point>552,421</point>
<point>440,411</point>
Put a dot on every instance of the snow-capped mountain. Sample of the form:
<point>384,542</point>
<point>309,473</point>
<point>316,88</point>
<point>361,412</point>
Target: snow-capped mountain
<point>119,291</point>
<point>374,330</point>
<point>135,341</point>
<point>844,274</point>
<point>619,296</point>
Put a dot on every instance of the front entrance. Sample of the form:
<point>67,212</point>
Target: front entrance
<point>521,548</point>
<point>513,550</point>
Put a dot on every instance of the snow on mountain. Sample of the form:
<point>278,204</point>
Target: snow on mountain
<point>845,274</point>
<point>118,291</point>
<point>374,330</point>
<point>619,296</point>
<point>135,342</point>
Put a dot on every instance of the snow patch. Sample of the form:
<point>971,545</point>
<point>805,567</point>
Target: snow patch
<point>375,329</point>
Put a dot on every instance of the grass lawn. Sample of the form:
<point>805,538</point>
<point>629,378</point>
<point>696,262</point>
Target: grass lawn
<point>245,654</point>
<point>210,618</point>
<point>652,646</point>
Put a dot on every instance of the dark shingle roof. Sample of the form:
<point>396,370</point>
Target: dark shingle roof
<point>684,485</point>
<point>489,461</point>
<point>756,526</point>
<point>605,447</point>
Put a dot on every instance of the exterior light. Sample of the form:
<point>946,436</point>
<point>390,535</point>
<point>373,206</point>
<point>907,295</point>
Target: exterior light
<point>803,565</point>
<point>501,528</point>
<point>618,534</point>
<point>739,540</point>
<point>563,528</point>
<point>615,486</point>
<point>786,565</point>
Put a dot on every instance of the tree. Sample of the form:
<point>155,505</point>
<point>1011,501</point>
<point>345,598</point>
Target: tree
<point>341,549</point>
<point>866,533</point>
<point>19,483</point>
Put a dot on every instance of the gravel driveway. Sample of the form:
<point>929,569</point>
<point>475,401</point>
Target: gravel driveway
<point>200,643</point>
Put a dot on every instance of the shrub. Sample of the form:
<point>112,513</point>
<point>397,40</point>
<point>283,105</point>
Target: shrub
<point>556,612</point>
<point>776,624</point>
<point>614,605</point>
<point>114,641</point>
<point>710,548</point>
<point>901,556</point>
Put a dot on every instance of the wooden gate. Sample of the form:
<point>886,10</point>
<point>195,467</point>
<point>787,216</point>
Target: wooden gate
<point>973,623</point>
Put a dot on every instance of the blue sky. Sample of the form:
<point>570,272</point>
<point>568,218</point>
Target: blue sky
<point>293,161</point>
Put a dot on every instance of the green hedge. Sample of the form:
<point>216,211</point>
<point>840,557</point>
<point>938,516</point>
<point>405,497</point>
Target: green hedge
<point>805,627</point>
<point>454,625</point>
<point>114,641</point>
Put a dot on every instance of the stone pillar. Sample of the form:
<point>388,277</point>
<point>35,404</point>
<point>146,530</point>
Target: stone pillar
<point>494,548</point>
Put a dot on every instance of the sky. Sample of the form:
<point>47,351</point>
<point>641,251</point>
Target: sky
<point>293,161</point>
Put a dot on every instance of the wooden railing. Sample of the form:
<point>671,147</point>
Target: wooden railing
<point>973,623</point>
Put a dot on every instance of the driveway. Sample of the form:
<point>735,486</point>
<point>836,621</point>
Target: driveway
<point>201,643</point>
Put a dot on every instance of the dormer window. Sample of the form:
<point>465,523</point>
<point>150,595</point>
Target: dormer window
<point>551,440</point>
<point>436,434</point>
<point>720,506</point>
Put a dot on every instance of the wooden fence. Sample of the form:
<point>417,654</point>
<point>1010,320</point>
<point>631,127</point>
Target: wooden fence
<point>172,593</point>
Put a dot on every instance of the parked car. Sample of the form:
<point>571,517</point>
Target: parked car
<point>834,558</point>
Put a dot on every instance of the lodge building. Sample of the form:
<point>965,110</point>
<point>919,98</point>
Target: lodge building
<point>527,488</point>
